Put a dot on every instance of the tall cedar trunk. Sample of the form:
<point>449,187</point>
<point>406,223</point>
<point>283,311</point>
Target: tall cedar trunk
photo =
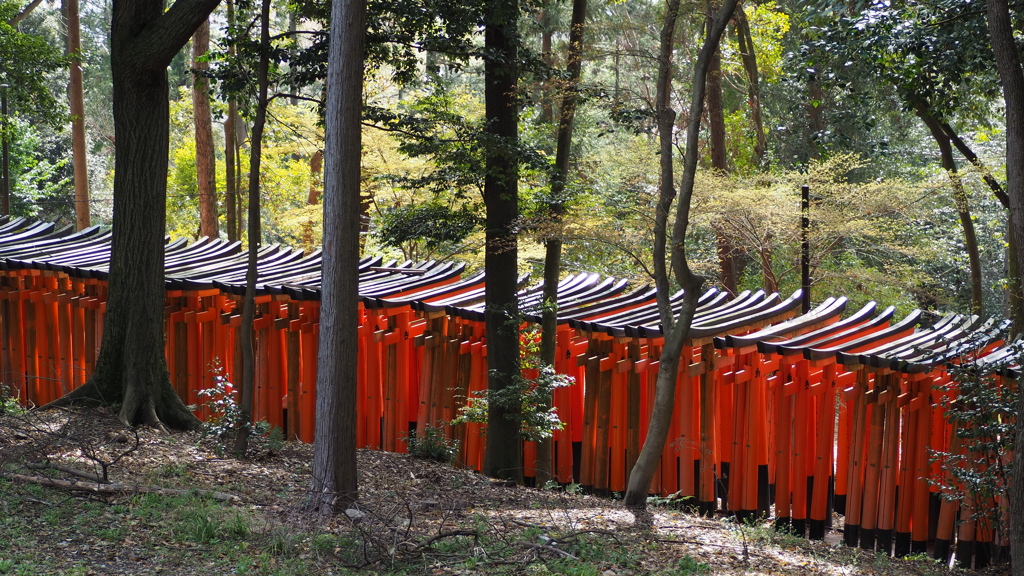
<point>206,175</point>
<point>76,98</point>
<point>503,457</point>
<point>248,344</point>
<point>131,369</point>
<point>334,453</point>
<point>1012,77</point>
<point>749,58</point>
<point>1015,288</point>
<point>556,212</point>
<point>230,153</point>
<point>548,87</point>
<point>675,329</point>
<point>230,188</point>
<point>719,161</point>
<point>960,199</point>
<point>814,116</point>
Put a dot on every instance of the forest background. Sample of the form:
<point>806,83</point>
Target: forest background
<point>871,106</point>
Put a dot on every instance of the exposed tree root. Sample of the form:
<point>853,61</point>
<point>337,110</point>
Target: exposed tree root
<point>162,410</point>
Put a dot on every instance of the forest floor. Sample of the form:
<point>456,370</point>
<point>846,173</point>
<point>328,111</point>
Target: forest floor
<point>176,504</point>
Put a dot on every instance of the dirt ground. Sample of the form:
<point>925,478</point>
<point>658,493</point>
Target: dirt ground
<point>178,504</point>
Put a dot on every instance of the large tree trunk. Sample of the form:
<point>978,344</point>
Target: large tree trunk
<point>247,341</point>
<point>503,457</point>
<point>334,453</point>
<point>556,212</point>
<point>675,329</point>
<point>76,98</point>
<point>206,175</point>
<point>131,369</point>
<point>1009,65</point>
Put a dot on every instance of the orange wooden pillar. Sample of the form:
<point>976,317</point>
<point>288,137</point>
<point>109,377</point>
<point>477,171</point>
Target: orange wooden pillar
<point>823,455</point>
<point>619,406</point>
<point>602,390</point>
<point>873,463</point>
<point>375,373</point>
<point>293,351</point>
<point>563,403</point>
<point>308,341</point>
<point>784,429</point>
<point>476,361</point>
<point>856,395</point>
<point>921,509</point>
<point>890,452</point>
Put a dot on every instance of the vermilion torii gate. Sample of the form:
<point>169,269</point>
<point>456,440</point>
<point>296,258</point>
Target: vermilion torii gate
<point>804,412</point>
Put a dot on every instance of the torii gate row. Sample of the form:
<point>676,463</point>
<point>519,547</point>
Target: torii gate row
<point>882,379</point>
<point>423,351</point>
<point>205,279</point>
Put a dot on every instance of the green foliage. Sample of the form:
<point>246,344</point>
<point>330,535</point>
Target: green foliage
<point>933,52</point>
<point>41,173</point>
<point>688,566</point>
<point>674,501</point>
<point>26,62</point>
<point>435,224</point>
<point>220,400</point>
<point>432,444</point>
<point>529,399</point>
<point>9,400</point>
<point>209,523</point>
<point>868,240</point>
<point>982,408</point>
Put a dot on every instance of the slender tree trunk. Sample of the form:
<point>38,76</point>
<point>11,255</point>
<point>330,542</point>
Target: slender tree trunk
<point>131,369</point>
<point>316,170</point>
<point>25,12</point>
<point>334,452</point>
<point>1009,66</point>
<point>963,208</point>
<point>248,344</point>
<point>503,457</point>
<point>556,212</point>
<point>206,175</point>
<point>643,470</point>
<point>971,157</point>
<point>716,111</point>
<point>76,97</point>
<point>749,58</point>
<point>719,160</point>
<point>675,329</point>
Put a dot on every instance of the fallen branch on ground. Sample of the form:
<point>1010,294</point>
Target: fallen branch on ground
<point>558,552</point>
<point>117,488</point>
<point>67,470</point>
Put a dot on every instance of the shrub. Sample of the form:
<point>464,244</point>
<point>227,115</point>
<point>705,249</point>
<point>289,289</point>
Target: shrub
<point>432,444</point>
